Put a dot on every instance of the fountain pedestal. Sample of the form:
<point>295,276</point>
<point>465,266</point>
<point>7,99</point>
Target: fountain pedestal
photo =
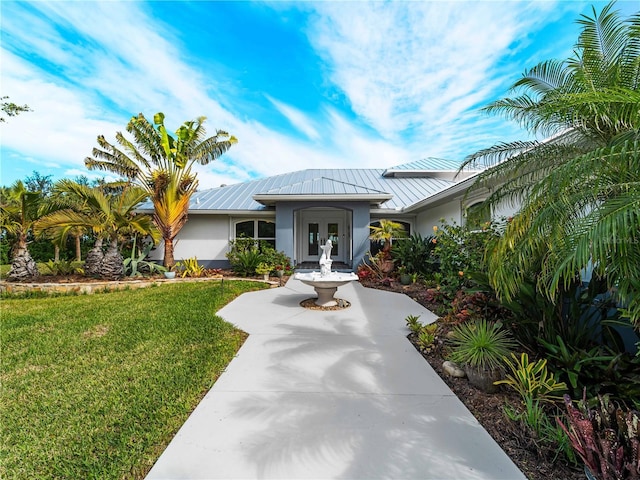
<point>326,286</point>
<point>326,282</point>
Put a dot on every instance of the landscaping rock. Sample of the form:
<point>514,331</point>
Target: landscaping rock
<point>453,370</point>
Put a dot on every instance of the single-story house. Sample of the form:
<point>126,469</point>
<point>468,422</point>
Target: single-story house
<point>297,212</point>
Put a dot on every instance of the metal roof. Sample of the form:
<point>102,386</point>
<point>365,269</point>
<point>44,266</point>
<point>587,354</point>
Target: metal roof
<point>394,193</point>
<point>339,183</point>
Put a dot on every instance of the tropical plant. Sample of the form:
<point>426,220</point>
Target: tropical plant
<point>606,438</point>
<point>19,209</point>
<point>427,336</point>
<point>385,233</point>
<point>191,268</point>
<point>460,252</point>
<point>580,190</point>
<point>481,345</point>
<point>109,216</point>
<point>539,430</point>
<point>162,164</point>
<point>244,262</point>
<point>263,268</point>
<point>532,379</point>
<point>63,267</point>
<point>414,254</point>
<point>135,265</point>
<point>413,323</point>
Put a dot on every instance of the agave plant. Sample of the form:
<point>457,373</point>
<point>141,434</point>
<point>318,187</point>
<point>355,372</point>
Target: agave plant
<point>481,344</point>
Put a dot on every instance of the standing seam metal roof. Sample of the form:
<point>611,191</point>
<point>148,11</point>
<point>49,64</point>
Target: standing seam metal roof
<point>405,191</point>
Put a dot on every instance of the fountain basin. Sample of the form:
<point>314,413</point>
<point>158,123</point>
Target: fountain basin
<point>326,286</point>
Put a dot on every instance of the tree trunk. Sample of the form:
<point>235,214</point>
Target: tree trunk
<point>78,249</point>
<point>94,259</point>
<point>56,253</point>
<point>112,266</point>
<point>23,266</point>
<point>168,253</point>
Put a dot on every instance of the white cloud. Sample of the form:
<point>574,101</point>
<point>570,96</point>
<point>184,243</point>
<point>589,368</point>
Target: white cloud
<point>297,118</point>
<point>416,70</point>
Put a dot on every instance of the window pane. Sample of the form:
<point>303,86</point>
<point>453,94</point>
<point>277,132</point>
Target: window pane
<point>476,217</point>
<point>314,232</point>
<point>245,229</point>
<point>266,229</point>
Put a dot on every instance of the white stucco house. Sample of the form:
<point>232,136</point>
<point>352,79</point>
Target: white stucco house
<point>297,212</point>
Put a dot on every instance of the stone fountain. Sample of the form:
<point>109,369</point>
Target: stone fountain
<point>326,282</point>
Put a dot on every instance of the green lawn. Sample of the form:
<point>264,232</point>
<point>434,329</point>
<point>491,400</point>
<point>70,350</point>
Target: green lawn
<point>95,386</point>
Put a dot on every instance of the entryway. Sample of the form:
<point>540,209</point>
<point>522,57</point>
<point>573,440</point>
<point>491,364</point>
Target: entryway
<point>319,225</point>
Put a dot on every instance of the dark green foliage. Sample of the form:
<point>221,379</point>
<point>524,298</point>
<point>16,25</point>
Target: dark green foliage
<point>415,254</point>
<point>460,253</point>
<point>63,267</point>
<point>246,254</point>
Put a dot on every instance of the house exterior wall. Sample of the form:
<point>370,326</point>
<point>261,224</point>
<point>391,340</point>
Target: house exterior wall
<point>205,237</point>
<point>426,220</point>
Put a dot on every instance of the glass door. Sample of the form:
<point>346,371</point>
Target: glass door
<point>317,231</point>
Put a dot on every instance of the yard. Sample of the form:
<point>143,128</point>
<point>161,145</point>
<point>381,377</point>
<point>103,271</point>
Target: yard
<point>95,386</point>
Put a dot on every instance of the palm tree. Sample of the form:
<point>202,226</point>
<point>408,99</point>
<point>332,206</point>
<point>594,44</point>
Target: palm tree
<point>162,165</point>
<point>109,216</point>
<point>579,191</point>
<point>19,209</point>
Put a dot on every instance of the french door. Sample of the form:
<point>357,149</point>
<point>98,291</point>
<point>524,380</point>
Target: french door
<point>317,229</point>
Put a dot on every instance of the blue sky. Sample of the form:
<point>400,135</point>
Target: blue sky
<point>301,84</point>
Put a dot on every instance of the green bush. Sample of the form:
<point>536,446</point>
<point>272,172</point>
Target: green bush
<point>460,252</point>
<point>414,254</point>
<point>245,254</point>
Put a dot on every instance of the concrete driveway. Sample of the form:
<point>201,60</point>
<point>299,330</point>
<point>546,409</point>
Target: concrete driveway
<point>330,394</point>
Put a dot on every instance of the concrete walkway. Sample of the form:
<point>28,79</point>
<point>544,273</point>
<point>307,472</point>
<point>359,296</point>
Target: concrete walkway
<point>330,394</point>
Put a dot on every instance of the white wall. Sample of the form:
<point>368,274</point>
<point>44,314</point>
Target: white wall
<point>426,220</point>
<point>203,236</point>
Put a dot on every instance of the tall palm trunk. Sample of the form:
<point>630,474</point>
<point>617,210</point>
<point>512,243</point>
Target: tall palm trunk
<point>23,266</point>
<point>78,248</point>
<point>169,261</point>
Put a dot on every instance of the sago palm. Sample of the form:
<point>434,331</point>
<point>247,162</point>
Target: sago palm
<point>579,191</point>
<point>109,216</point>
<point>162,164</point>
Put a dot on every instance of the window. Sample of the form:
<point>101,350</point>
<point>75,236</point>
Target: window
<point>261,230</point>
<point>476,217</point>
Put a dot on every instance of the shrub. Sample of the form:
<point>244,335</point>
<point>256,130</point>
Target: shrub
<point>414,254</point>
<point>460,251</point>
<point>63,267</point>
<point>481,345</point>
<point>191,268</point>
<point>531,380</point>
<point>606,438</point>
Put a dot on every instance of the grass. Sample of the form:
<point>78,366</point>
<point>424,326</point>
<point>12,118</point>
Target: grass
<point>95,386</point>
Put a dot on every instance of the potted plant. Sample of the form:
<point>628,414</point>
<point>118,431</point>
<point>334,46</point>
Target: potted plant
<point>170,272</point>
<point>264,269</point>
<point>480,348</point>
<point>405,276</point>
